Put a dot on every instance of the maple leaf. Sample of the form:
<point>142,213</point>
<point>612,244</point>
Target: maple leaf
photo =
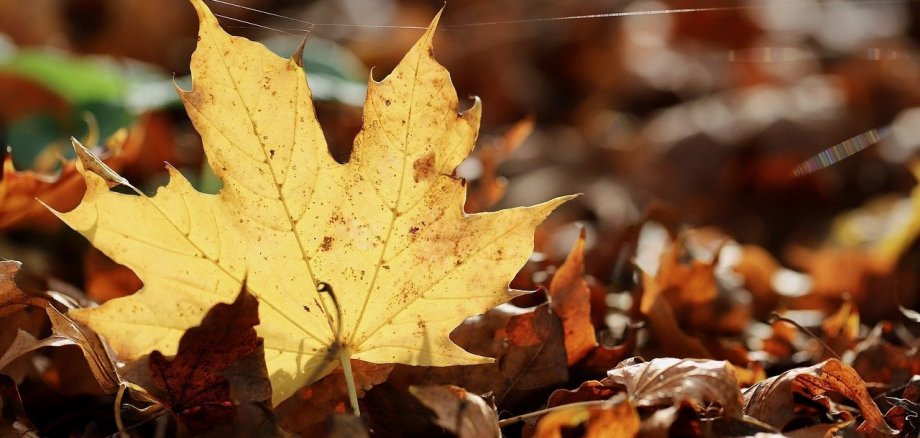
<point>373,260</point>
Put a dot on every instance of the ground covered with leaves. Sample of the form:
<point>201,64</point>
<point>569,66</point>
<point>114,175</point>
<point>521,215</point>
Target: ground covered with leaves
<point>335,257</point>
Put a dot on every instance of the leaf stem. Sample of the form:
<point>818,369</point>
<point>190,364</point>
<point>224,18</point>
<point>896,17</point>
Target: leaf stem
<point>345,359</point>
<point>512,420</point>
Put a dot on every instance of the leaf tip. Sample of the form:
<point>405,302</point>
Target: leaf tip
<point>86,160</point>
<point>205,16</point>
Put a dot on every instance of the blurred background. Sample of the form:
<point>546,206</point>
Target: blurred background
<point>706,111</point>
<point>688,118</point>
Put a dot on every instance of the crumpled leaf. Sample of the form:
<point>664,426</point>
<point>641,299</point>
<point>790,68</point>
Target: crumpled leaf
<point>464,414</point>
<point>668,381</point>
<point>13,299</point>
<point>904,413</point>
<point>193,384</point>
<point>569,297</point>
<point>347,260</point>
<point>878,360</point>
<point>771,400</point>
<point>614,421</point>
<point>64,331</point>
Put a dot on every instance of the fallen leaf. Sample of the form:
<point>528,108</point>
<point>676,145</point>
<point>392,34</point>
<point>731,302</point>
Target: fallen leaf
<point>880,361</point>
<point>20,189</point>
<point>64,331</point>
<point>613,421</point>
<point>668,381</point>
<point>904,413</point>
<point>590,390</point>
<point>535,357</point>
<point>13,299</point>
<point>527,344</point>
<point>192,384</point>
<point>464,414</point>
<point>771,400</point>
<point>347,260</point>
<point>569,297</point>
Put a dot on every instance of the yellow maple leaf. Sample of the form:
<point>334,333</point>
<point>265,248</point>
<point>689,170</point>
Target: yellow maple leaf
<point>386,231</point>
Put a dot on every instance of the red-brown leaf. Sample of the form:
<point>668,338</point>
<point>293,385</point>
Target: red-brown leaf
<point>771,400</point>
<point>668,381</point>
<point>193,384</point>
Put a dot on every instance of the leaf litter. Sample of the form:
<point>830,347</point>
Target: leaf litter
<point>610,347</point>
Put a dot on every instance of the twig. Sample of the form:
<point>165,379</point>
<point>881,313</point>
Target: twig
<point>776,317</point>
<point>512,420</point>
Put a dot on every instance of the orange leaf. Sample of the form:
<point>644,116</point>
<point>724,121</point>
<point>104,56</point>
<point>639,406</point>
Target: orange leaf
<point>570,299</point>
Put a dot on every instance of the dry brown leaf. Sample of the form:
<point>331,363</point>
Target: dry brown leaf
<point>64,331</point>
<point>905,412</point>
<point>569,297</point>
<point>669,381</point>
<point>880,361</point>
<point>771,400</point>
<point>463,414</point>
<point>13,299</point>
<point>527,344</point>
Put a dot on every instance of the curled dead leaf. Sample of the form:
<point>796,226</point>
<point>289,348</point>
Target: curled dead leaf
<point>669,381</point>
<point>771,400</point>
<point>64,331</point>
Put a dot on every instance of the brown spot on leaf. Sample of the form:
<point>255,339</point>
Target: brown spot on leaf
<point>327,243</point>
<point>423,167</point>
